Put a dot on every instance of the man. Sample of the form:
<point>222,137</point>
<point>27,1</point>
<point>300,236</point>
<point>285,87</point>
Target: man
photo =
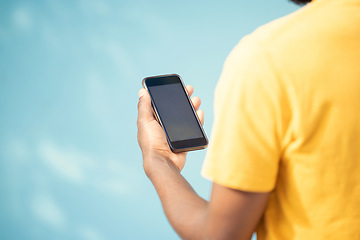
<point>284,155</point>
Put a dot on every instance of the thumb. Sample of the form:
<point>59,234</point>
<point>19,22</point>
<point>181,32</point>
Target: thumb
<point>145,111</point>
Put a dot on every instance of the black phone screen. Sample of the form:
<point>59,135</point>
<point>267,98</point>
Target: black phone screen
<point>175,112</point>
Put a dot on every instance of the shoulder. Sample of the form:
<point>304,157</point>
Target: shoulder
<point>273,49</point>
<point>278,36</point>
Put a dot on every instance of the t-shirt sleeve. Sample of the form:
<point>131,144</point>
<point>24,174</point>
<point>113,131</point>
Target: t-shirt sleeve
<point>250,121</point>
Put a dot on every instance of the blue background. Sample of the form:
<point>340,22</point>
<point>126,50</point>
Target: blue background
<point>70,166</point>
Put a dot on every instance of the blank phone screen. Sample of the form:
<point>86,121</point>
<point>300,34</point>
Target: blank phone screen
<point>175,112</point>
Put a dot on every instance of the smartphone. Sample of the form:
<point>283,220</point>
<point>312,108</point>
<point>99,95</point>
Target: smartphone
<point>175,113</point>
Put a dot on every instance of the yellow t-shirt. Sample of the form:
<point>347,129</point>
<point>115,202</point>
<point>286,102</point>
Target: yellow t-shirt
<point>287,120</point>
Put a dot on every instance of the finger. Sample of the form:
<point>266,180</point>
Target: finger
<point>196,101</point>
<point>141,92</point>
<point>145,111</point>
<point>200,114</point>
<point>190,90</point>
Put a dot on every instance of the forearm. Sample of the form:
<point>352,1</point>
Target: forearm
<point>185,210</point>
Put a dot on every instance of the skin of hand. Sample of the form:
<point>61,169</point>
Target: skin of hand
<point>151,136</point>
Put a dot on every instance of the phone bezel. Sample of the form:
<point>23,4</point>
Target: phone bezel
<point>183,145</point>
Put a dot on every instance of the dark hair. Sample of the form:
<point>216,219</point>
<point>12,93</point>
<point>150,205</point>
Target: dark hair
<point>300,2</point>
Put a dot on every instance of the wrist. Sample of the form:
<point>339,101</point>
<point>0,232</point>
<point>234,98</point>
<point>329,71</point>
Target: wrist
<point>156,164</point>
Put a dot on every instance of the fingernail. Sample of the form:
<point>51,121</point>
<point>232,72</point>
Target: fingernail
<point>141,92</point>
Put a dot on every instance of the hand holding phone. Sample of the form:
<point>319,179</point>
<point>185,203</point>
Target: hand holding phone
<point>151,136</point>
<point>175,113</point>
